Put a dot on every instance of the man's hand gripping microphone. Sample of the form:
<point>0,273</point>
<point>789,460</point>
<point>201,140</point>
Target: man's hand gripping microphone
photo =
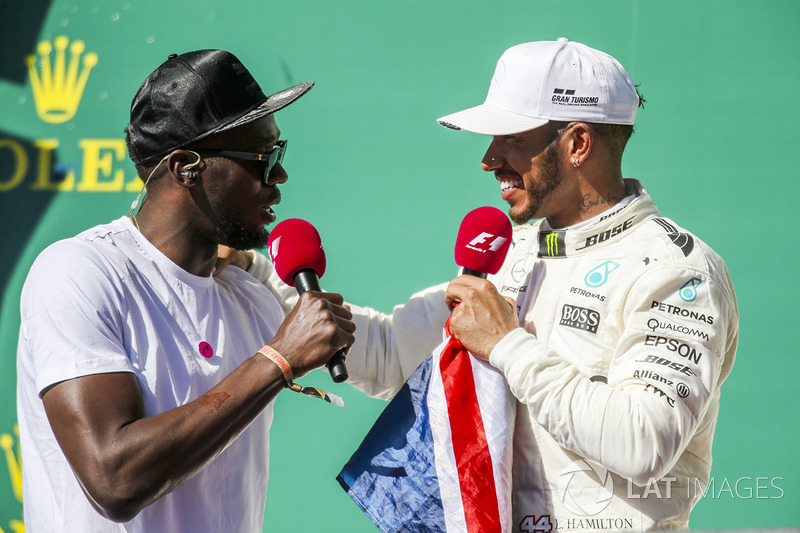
<point>296,251</point>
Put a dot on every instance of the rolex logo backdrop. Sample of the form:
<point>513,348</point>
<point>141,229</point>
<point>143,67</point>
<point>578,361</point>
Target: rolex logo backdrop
<point>715,145</point>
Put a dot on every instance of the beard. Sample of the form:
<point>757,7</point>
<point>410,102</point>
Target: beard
<point>238,236</point>
<point>549,177</point>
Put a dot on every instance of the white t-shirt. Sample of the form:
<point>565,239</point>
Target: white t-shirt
<point>109,301</point>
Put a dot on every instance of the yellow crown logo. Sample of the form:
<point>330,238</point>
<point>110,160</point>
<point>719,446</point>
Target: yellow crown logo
<point>58,90</point>
<point>15,472</point>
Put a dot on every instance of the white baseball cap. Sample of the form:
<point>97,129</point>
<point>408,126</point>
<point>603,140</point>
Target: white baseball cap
<point>559,80</point>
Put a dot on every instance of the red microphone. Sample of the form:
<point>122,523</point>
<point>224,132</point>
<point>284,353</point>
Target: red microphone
<point>296,251</point>
<point>483,241</point>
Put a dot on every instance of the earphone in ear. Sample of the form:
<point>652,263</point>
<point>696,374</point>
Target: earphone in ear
<point>186,173</point>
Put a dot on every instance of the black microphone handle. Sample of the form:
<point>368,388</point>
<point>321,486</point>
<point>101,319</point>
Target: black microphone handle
<point>475,273</point>
<point>307,280</point>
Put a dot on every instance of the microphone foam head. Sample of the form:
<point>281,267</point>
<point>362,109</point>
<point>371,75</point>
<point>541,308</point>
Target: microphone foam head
<point>483,240</point>
<point>295,245</point>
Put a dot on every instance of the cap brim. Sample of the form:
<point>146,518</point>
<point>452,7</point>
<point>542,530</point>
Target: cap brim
<point>489,120</point>
<point>272,104</point>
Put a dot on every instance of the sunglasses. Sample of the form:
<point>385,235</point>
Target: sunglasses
<point>272,157</point>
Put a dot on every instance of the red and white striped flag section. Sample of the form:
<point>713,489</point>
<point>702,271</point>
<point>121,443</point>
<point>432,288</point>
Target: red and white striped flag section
<point>438,459</point>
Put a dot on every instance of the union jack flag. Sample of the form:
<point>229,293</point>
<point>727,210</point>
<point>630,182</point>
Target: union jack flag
<point>438,459</point>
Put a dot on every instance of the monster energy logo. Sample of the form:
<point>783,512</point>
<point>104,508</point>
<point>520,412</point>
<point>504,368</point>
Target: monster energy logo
<point>551,244</point>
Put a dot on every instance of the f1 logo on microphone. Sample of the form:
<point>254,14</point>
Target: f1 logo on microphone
<point>479,243</point>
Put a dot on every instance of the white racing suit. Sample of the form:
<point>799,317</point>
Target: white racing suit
<point>629,326</point>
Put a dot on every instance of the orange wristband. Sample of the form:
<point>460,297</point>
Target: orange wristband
<point>271,354</point>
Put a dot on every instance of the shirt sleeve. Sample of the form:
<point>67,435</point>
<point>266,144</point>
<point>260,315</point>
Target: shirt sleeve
<point>659,385</point>
<point>264,271</point>
<point>71,311</point>
<point>388,348</point>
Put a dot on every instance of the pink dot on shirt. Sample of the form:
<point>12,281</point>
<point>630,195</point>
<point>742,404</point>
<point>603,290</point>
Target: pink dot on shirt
<point>205,349</point>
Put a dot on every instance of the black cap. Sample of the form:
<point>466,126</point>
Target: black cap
<point>193,95</point>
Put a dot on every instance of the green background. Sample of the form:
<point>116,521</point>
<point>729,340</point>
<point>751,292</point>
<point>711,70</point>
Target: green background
<point>716,146</point>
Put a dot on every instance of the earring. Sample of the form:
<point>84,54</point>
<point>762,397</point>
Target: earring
<point>576,163</point>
